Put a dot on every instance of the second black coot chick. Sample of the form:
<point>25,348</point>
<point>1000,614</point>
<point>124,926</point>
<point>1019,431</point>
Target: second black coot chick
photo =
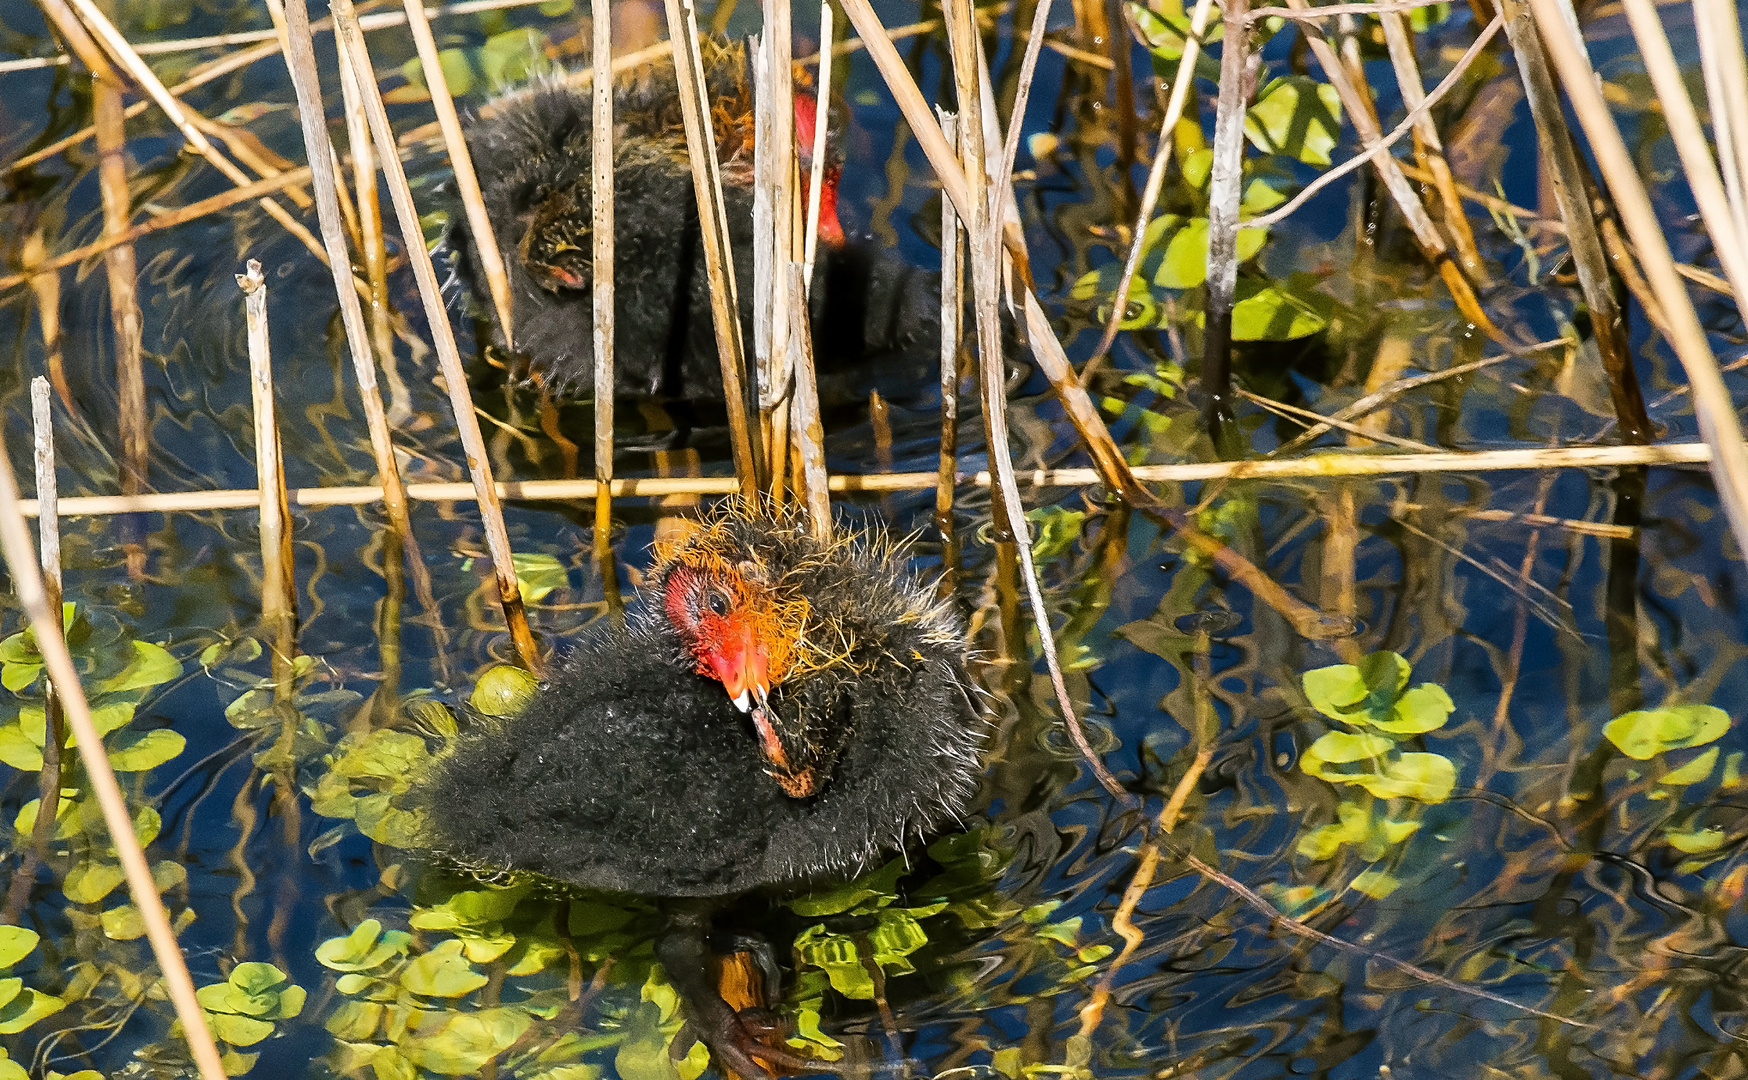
<point>532,151</point>
<point>780,712</point>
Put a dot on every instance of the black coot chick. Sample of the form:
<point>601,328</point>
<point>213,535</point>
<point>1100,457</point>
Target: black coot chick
<point>778,713</point>
<point>532,151</point>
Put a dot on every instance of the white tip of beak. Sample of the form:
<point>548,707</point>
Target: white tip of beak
<point>743,701</point>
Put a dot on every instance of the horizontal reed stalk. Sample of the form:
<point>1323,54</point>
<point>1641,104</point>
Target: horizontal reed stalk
<point>1313,467</point>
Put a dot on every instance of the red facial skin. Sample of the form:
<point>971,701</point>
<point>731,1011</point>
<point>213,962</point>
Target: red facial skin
<point>806,116</point>
<point>721,638</point>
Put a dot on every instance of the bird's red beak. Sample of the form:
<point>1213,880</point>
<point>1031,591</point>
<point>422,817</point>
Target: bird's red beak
<point>740,661</point>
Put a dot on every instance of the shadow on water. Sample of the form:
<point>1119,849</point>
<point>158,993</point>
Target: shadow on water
<point>1494,827</point>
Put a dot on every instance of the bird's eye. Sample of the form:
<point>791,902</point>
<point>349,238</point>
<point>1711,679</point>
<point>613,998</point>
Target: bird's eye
<point>717,603</point>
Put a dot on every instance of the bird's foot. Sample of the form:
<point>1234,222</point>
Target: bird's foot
<point>751,1044</point>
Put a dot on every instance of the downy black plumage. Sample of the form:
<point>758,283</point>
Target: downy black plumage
<point>848,727</point>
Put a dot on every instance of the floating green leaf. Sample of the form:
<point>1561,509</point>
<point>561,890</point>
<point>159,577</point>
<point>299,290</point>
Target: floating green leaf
<point>1645,733</point>
<point>1278,311</point>
<point>151,666</point>
<point>1185,265</point>
<point>866,892</point>
<point>460,1043</point>
<point>92,880</point>
<point>538,574</point>
<point>1296,116</point>
<point>1696,841</point>
<point>1375,884</point>
<point>1058,529</point>
<point>1426,778</point>
<point>443,972</point>
<point>26,1008</point>
<point>457,74</point>
<point>1342,747</point>
<point>122,923</point>
<point>511,57</point>
<point>17,749</point>
<point>1424,708</point>
<point>365,948</point>
<point>15,944</point>
<point>1334,691</point>
<point>239,1030</point>
<point>142,750</point>
<point>1694,771</point>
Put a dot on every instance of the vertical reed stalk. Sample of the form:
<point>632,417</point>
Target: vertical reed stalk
<point>773,166</point>
<point>822,96</point>
<point>479,227</point>
<point>1711,398</point>
<point>952,334</point>
<point>55,729</point>
<point>278,584</point>
<point>1724,62</point>
<point>443,336</point>
<point>984,226</point>
<point>301,60</point>
<point>1225,190</point>
<point>601,274</point>
<point>370,246</point>
<point>1571,182</point>
<point>809,433</point>
<point>713,227</point>
<point>1691,144</point>
<point>124,307</point>
<point>33,597</point>
<point>1162,155</point>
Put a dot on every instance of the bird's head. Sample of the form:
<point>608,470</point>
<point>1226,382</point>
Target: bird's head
<point>735,592</point>
<point>556,246</point>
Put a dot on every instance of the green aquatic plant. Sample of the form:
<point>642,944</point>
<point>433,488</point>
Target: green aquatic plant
<point>118,671</point>
<point>1379,712</point>
<point>20,1005</point>
<point>1292,120</point>
<point>241,1010</point>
